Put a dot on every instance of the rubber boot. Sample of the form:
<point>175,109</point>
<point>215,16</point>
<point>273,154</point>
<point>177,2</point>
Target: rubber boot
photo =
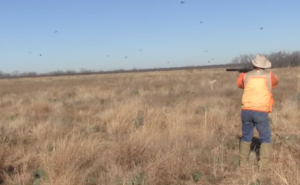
<point>264,155</point>
<point>244,153</point>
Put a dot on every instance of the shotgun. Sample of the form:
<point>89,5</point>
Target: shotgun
<point>240,70</point>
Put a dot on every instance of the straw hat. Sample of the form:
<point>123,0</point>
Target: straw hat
<point>261,62</point>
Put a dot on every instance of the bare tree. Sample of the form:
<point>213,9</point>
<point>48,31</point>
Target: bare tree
<point>245,60</point>
<point>279,59</point>
<point>15,73</point>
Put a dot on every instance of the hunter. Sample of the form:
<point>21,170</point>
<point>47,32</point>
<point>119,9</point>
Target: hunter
<point>257,102</point>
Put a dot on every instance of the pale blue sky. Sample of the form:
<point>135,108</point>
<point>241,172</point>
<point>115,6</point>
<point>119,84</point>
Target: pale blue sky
<point>165,31</point>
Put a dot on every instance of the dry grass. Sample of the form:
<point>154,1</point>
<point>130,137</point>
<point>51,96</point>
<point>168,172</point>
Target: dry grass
<point>142,128</point>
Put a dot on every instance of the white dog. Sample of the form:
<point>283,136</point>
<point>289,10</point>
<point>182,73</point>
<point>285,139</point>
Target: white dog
<point>211,83</point>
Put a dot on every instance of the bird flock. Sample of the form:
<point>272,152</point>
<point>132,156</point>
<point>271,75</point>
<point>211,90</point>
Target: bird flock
<point>182,2</point>
<point>41,54</point>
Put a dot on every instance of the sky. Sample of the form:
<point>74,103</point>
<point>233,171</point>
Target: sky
<point>118,34</point>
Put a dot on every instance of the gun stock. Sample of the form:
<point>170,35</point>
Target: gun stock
<point>240,70</point>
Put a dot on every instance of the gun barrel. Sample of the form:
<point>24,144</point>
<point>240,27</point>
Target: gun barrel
<point>240,70</point>
<point>233,69</point>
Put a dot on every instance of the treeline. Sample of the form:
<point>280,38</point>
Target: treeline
<point>17,74</point>
<point>278,59</point>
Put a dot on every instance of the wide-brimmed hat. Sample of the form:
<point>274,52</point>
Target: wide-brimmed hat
<point>261,62</point>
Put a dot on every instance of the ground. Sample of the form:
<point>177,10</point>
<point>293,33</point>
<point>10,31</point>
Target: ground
<point>140,128</point>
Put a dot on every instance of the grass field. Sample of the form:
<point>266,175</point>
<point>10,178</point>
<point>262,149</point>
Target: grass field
<point>154,128</point>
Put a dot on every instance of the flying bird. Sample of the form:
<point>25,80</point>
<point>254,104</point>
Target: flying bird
<point>126,57</point>
<point>40,55</point>
<point>55,31</point>
<point>201,22</point>
<point>182,2</point>
<point>261,28</point>
<point>107,55</point>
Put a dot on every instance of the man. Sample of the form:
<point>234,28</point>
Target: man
<point>257,102</point>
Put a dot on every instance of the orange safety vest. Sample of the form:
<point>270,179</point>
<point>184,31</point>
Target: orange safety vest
<point>257,94</point>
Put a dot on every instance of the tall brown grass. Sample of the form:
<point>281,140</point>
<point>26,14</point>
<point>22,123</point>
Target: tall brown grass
<point>139,128</point>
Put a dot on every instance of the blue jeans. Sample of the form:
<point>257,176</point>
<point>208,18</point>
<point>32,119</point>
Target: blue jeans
<point>260,120</point>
